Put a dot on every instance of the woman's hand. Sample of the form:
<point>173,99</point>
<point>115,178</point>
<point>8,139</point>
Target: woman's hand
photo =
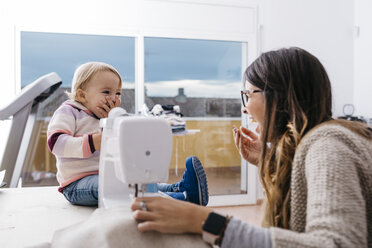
<point>106,106</point>
<point>249,148</point>
<point>168,215</point>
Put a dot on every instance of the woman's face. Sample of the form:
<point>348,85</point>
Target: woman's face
<point>255,106</point>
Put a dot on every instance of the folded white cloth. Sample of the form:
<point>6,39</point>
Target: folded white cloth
<point>174,120</point>
<point>116,228</point>
<point>157,110</point>
<point>172,116</point>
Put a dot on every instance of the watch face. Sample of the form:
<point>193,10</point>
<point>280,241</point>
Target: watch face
<point>214,223</point>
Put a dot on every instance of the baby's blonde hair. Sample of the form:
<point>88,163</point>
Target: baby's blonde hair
<point>85,72</point>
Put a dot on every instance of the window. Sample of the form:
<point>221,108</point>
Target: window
<point>203,77</point>
<point>42,53</point>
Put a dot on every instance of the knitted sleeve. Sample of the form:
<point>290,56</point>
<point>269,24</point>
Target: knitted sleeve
<point>239,234</point>
<point>335,207</point>
<point>61,138</point>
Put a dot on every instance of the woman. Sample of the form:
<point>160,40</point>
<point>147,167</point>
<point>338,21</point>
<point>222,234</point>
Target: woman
<point>316,172</point>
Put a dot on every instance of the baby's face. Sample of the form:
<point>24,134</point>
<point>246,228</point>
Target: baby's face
<point>103,84</point>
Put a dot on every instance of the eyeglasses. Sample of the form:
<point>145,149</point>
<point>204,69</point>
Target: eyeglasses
<point>245,95</point>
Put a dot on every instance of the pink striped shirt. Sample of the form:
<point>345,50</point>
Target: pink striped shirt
<point>70,139</point>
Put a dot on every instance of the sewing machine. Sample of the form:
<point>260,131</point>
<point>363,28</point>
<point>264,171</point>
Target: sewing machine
<point>135,155</point>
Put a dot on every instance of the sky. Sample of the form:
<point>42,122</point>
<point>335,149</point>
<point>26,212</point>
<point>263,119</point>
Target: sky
<point>204,68</point>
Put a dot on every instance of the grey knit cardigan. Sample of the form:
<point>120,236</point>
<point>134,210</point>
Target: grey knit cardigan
<point>331,191</point>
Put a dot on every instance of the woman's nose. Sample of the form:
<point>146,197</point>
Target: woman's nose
<point>244,110</point>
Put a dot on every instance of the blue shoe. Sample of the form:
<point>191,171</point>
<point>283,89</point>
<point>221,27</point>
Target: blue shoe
<point>194,182</point>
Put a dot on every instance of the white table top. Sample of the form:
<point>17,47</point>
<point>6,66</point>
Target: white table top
<point>29,216</point>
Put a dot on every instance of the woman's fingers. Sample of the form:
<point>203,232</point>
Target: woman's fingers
<point>247,143</point>
<point>248,132</point>
<point>143,215</point>
<point>136,204</point>
<point>153,218</point>
<point>168,215</point>
<point>240,141</point>
<point>236,135</point>
<point>149,226</point>
<point>161,227</point>
<point>150,203</point>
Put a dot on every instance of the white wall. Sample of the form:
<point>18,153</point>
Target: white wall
<point>363,59</point>
<point>324,28</point>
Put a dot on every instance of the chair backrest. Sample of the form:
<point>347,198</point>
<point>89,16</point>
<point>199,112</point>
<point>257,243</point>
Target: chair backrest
<point>34,93</point>
<point>23,110</point>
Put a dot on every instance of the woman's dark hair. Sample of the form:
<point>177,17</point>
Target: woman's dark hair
<point>298,97</point>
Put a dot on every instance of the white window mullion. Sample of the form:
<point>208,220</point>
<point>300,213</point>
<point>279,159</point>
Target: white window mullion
<point>139,72</point>
<point>244,168</point>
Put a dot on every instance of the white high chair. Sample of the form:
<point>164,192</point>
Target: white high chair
<point>23,111</point>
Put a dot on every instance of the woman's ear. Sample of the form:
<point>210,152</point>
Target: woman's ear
<point>80,96</point>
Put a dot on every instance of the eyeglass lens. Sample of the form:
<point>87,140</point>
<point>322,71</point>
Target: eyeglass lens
<point>244,98</point>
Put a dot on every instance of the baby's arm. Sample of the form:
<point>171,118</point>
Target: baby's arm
<point>61,138</point>
<point>97,141</point>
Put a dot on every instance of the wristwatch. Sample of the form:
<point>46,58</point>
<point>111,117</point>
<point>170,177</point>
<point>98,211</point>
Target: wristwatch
<point>214,227</point>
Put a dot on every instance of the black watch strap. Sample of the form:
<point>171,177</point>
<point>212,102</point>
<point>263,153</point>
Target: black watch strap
<point>214,228</point>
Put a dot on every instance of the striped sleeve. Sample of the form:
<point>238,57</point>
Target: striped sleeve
<point>61,140</point>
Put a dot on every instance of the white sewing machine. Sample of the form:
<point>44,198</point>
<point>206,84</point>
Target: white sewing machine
<point>135,153</point>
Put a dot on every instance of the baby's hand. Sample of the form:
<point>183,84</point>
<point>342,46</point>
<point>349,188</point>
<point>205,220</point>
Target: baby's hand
<point>105,107</point>
<point>113,104</point>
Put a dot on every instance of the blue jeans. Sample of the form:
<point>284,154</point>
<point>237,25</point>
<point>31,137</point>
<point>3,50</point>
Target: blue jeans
<point>83,191</point>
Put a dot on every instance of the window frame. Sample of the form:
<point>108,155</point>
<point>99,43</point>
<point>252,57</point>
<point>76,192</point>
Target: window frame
<point>249,179</point>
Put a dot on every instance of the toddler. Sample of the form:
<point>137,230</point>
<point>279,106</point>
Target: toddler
<point>74,137</point>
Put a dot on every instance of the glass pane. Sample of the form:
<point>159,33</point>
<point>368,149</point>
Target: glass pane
<point>203,77</point>
<point>42,53</point>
